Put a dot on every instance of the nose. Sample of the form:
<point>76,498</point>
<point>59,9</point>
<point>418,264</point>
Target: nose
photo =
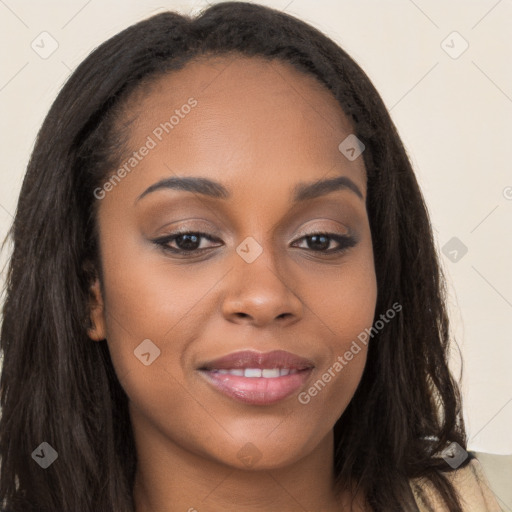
<point>258,295</point>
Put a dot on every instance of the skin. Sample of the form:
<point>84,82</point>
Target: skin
<point>259,128</point>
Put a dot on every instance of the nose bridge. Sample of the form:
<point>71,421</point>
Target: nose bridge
<point>259,289</point>
<point>259,265</point>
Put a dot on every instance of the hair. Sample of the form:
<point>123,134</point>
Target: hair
<point>58,386</point>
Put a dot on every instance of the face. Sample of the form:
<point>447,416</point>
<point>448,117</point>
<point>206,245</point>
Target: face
<point>271,277</point>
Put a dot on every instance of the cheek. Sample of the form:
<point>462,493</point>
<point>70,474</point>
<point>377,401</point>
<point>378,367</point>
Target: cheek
<point>147,297</point>
<point>344,307</point>
<point>155,310</point>
<point>343,299</point>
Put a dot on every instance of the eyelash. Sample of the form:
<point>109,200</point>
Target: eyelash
<point>345,242</point>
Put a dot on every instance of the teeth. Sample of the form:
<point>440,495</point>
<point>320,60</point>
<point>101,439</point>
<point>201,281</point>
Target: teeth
<point>252,372</point>
<point>267,373</point>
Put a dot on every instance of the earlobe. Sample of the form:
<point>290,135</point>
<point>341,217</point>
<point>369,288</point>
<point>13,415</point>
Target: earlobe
<point>96,330</point>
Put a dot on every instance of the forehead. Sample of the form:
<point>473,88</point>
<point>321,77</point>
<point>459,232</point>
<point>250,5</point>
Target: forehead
<point>261,119</point>
<point>250,81</point>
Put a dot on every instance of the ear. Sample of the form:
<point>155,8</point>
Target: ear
<point>97,327</point>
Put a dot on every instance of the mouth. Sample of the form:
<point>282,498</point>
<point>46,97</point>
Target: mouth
<point>258,378</point>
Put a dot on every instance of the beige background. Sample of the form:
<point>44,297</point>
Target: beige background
<point>454,115</point>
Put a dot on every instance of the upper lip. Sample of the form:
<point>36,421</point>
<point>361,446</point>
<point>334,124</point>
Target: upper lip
<point>262,360</point>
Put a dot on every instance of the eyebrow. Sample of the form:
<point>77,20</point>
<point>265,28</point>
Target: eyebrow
<point>207,187</point>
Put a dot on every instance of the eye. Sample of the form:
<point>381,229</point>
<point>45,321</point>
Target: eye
<point>185,242</point>
<point>322,242</point>
<point>190,242</point>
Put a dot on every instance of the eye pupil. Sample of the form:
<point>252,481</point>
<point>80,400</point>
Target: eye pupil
<point>318,242</point>
<point>191,241</point>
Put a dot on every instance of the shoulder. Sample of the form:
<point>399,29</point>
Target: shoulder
<point>471,484</point>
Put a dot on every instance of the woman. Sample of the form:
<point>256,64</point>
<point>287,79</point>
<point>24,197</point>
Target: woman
<point>224,292</point>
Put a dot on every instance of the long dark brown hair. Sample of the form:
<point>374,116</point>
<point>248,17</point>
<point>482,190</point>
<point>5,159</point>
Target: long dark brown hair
<point>58,386</point>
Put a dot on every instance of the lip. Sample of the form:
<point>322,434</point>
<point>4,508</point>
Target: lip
<point>253,359</point>
<point>258,390</point>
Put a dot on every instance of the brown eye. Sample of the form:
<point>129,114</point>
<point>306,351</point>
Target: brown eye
<point>321,242</point>
<point>185,242</point>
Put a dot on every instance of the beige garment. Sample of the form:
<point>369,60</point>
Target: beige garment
<point>473,488</point>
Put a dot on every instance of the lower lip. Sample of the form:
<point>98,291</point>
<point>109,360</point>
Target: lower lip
<point>257,390</point>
